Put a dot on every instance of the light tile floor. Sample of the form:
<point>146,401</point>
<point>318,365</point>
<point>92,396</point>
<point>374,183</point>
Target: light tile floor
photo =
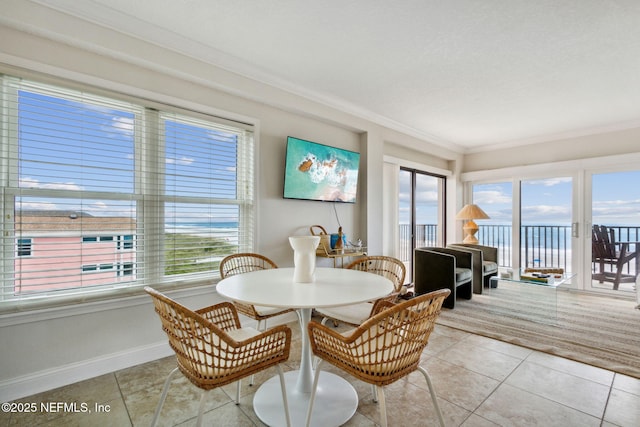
<point>480,382</point>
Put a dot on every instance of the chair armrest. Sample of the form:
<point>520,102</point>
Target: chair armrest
<point>252,354</point>
<point>272,336</point>
<point>478,270</point>
<point>489,253</point>
<point>224,315</point>
<point>382,304</point>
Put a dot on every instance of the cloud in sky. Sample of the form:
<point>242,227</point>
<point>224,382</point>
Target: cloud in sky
<point>549,182</point>
<point>183,161</point>
<point>122,124</point>
<point>27,182</point>
<point>491,197</point>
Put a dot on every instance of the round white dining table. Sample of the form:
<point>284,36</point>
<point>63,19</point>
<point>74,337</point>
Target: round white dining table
<point>336,400</point>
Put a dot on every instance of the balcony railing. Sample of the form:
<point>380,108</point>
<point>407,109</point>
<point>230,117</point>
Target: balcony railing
<point>542,245</point>
<point>426,235</point>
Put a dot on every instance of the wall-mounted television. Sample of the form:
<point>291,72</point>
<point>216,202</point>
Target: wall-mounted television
<point>316,171</point>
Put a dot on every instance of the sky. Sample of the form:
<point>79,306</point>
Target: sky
<point>426,198</point>
<point>87,145</point>
<point>615,200</point>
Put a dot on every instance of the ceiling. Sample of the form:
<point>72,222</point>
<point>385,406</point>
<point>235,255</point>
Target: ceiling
<point>466,74</point>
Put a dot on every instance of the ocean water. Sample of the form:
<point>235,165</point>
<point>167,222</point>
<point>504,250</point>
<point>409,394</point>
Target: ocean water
<point>227,231</point>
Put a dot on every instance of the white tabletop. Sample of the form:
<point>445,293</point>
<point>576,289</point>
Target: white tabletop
<point>332,287</point>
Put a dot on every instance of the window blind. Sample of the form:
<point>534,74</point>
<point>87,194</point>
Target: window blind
<point>98,193</point>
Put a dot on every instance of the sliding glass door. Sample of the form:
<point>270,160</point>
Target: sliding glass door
<point>567,221</point>
<point>421,213</point>
<point>546,220</point>
<point>615,215</point>
<point>496,199</point>
<point>530,221</point>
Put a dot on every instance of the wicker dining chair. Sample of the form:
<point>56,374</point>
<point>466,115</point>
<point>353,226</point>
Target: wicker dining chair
<point>389,267</point>
<point>213,350</point>
<point>245,263</point>
<point>384,349</point>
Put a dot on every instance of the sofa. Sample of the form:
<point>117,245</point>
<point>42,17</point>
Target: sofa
<point>444,268</point>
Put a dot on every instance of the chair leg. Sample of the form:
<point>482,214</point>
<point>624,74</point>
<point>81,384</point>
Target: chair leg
<point>238,385</point>
<point>374,391</point>
<point>284,395</point>
<point>313,391</point>
<point>383,406</point>
<point>163,396</point>
<point>432,391</point>
<point>201,408</point>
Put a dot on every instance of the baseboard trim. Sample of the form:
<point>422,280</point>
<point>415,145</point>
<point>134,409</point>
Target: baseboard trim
<point>49,379</point>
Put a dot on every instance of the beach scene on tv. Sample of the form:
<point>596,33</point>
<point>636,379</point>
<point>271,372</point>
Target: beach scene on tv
<point>320,172</point>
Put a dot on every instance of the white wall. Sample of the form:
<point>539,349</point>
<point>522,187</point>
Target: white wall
<point>47,348</point>
<point>577,147</point>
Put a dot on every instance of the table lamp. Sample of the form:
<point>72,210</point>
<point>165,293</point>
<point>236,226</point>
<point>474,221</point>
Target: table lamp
<point>471,212</point>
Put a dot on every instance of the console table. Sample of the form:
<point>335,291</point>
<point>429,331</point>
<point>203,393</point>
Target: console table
<point>506,291</point>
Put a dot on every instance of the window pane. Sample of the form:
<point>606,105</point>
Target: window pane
<point>428,211</point>
<point>200,160</point>
<point>70,145</point>
<point>545,222</point>
<point>616,205</point>
<point>60,252</point>
<point>198,236</point>
<point>496,199</point>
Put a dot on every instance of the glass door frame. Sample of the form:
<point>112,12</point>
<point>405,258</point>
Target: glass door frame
<point>441,232</point>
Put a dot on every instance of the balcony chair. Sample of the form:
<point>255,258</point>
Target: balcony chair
<point>245,263</point>
<point>444,268</point>
<point>485,264</point>
<point>385,348</point>
<point>389,267</point>
<point>604,248</point>
<point>213,350</point>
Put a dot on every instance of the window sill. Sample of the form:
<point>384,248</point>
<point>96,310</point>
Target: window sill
<point>27,311</point>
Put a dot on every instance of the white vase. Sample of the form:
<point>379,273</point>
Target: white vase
<point>304,257</point>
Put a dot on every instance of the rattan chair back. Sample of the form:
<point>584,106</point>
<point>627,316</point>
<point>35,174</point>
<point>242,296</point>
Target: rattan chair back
<point>206,353</point>
<point>386,266</point>
<point>244,263</point>
<point>383,349</point>
<point>387,346</point>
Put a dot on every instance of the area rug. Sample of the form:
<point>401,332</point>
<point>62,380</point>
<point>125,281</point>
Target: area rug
<point>596,330</point>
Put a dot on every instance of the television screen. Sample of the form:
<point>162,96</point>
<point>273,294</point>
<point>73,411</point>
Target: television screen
<point>319,172</point>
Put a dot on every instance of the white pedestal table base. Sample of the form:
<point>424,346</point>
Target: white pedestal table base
<point>336,401</point>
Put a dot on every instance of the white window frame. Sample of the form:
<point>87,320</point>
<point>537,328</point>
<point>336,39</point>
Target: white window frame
<point>150,223</point>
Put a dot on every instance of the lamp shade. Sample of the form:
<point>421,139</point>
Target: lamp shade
<point>471,212</point>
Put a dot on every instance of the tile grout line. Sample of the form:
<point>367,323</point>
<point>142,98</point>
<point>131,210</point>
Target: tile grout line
<point>560,403</point>
<point>124,400</point>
